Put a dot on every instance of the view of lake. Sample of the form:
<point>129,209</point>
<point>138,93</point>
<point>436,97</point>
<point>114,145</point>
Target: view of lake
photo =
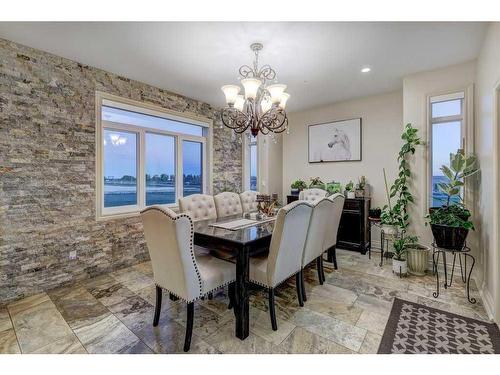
<point>126,194</point>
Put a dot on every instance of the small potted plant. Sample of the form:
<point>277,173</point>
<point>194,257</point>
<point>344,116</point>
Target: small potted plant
<point>333,187</point>
<point>360,191</point>
<point>349,190</point>
<point>297,186</point>
<point>316,183</point>
<point>451,223</point>
<point>399,259</point>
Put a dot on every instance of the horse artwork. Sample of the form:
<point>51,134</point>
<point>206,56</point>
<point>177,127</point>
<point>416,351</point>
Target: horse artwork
<point>335,141</point>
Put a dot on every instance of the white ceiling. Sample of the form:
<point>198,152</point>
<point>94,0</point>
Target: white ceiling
<point>320,62</point>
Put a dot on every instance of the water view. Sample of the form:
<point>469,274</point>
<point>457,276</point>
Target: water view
<point>123,191</point>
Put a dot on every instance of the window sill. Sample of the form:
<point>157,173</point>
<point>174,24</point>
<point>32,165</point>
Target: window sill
<point>125,215</point>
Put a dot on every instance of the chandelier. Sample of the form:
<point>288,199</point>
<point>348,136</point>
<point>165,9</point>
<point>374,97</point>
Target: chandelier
<point>262,108</point>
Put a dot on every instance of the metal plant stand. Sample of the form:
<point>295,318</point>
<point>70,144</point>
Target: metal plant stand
<point>465,252</point>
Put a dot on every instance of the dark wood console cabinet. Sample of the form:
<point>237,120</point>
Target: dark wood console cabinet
<point>354,228</point>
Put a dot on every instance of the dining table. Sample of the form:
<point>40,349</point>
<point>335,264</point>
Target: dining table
<point>241,243</point>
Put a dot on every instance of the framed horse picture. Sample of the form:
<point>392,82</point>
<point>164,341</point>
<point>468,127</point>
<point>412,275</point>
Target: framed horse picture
<point>335,141</point>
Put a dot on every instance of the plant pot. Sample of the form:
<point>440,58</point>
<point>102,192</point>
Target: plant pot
<point>351,195</point>
<point>399,267</point>
<point>359,193</point>
<point>417,257</point>
<point>322,187</point>
<point>448,237</point>
<point>295,191</point>
<point>375,213</point>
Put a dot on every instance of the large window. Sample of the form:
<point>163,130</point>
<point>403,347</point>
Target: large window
<point>251,167</point>
<point>147,157</point>
<point>446,135</point>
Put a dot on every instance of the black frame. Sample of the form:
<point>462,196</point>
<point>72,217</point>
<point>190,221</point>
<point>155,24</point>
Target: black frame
<point>333,122</point>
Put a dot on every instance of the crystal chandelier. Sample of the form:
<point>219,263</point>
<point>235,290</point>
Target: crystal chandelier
<point>262,108</point>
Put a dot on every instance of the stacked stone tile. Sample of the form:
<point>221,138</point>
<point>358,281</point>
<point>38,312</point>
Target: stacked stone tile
<point>47,170</point>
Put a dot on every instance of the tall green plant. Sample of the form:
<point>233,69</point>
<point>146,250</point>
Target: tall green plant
<point>395,212</point>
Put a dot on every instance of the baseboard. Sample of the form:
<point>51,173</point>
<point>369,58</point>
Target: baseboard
<point>487,299</point>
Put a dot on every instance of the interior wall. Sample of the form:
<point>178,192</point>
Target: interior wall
<point>487,142</point>
<point>47,151</point>
<point>416,90</point>
<point>382,119</point>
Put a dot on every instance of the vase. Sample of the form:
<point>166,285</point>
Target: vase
<point>399,267</point>
<point>417,257</point>
<point>351,195</point>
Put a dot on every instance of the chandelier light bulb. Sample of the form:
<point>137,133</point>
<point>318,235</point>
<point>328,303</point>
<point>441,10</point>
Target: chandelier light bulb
<point>284,99</point>
<point>251,86</point>
<point>231,92</point>
<point>276,91</point>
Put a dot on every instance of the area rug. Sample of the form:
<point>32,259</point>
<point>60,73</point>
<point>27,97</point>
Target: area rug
<point>417,329</point>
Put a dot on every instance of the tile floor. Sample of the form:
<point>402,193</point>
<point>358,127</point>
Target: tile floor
<point>113,314</point>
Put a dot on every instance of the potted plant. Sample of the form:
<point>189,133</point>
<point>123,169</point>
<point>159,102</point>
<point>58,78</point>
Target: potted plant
<point>395,218</point>
<point>451,223</point>
<point>417,256</point>
<point>333,187</point>
<point>360,191</point>
<point>297,186</point>
<point>316,183</point>
<point>399,259</point>
<point>349,190</point>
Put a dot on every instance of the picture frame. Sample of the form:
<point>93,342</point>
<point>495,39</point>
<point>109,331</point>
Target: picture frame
<point>335,141</point>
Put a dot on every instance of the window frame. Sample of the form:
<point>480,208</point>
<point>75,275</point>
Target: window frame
<point>464,120</point>
<point>104,99</point>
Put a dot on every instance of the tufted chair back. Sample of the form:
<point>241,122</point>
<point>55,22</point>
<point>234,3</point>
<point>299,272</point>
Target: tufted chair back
<point>287,242</point>
<point>334,220</point>
<point>312,195</point>
<point>228,204</point>
<point>170,244</point>
<point>318,228</point>
<point>249,200</point>
<point>198,207</point>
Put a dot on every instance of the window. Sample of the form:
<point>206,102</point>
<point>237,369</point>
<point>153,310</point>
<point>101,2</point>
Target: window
<point>253,160</point>
<point>446,137</point>
<point>147,156</point>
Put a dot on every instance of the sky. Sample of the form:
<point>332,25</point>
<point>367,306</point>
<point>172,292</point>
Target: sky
<point>120,156</point>
<point>446,137</point>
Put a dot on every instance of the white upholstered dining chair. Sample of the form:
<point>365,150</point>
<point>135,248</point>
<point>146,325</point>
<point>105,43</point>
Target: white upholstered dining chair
<point>330,245</point>
<point>285,253</point>
<point>249,200</point>
<point>198,206</point>
<point>312,195</point>
<point>316,234</point>
<point>227,204</point>
<point>176,269</point>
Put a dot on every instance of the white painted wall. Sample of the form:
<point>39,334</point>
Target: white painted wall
<point>487,107</point>
<point>382,117</point>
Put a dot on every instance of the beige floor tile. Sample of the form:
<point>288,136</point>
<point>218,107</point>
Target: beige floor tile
<point>372,321</point>
<point>225,341</point>
<point>370,344</point>
<point>8,342</point>
<point>37,322</point>
<point>67,345</point>
<point>301,341</point>
<point>330,328</point>
<point>260,325</point>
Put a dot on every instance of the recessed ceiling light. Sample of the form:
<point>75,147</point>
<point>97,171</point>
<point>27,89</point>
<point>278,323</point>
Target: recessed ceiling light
<point>366,69</point>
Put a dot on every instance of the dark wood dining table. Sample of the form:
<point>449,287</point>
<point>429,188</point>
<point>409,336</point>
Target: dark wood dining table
<point>242,243</point>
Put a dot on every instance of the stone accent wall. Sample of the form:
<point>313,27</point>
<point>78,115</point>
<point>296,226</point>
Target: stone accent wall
<point>47,170</point>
